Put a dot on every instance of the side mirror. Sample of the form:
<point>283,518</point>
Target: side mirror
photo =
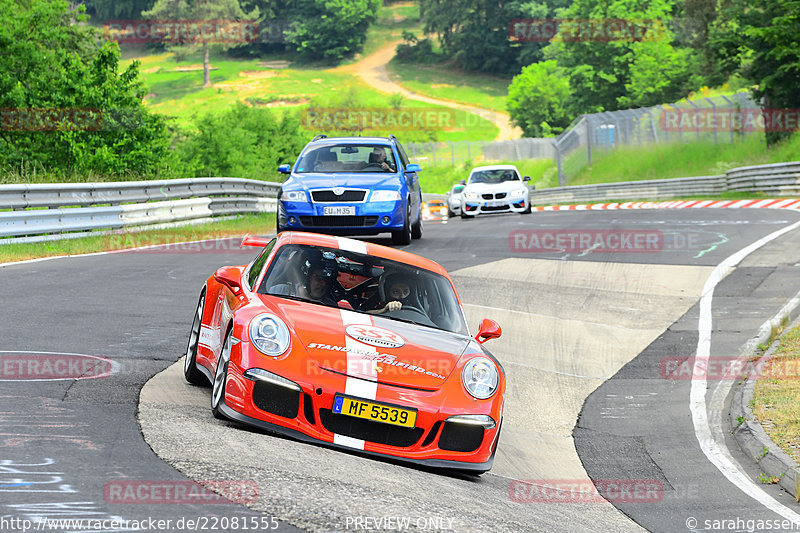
<point>285,168</point>
<point>230,277</point>
<point>489,329</point>
<point>413,167</point>
<point>462,182</point>
<point>526,178</point>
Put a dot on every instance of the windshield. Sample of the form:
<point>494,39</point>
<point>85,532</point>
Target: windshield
<point>457,189</point>
<point>493,176</point>
<point>347,158</point>
<point>365,284</point>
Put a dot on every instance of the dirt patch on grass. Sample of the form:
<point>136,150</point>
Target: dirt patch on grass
<point>191,68</point>
<point>258,74</point>
<point>275,64</point>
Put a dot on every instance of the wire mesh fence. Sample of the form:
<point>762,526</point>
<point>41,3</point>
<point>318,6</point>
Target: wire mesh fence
<point>719,119</point>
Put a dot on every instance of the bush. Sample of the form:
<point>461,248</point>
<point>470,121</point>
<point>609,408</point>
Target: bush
<point>242,142</point>
<point>415,50</point>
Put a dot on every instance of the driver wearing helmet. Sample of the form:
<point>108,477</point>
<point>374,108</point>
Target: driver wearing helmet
<point>319,277</point>
<point>397,294</point>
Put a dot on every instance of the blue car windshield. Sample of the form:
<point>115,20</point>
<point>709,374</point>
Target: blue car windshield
<point>347,158</point>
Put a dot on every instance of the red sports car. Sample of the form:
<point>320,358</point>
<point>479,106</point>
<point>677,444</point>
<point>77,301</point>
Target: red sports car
<point>351,344</point>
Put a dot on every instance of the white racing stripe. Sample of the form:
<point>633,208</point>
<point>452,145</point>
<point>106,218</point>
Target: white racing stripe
<point>352,245</point>
<point>365,387</point>
<point>715,450</point>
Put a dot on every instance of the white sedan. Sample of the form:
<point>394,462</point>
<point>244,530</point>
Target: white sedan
<point>495,189</point>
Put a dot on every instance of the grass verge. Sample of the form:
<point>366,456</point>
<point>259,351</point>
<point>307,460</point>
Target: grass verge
<point>236,227</point>
<point>776,393</point>
<point>678,160</point>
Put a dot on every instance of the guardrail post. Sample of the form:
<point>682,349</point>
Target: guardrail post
<point>561,180</point>
<point>452,154</point>
<point>696,120</point>
<point>433,153</point>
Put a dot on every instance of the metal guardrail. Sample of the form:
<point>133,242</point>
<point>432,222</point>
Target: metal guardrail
<point>55,208</point>
<point>778,179</point>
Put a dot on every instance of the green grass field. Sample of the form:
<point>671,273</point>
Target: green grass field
<point>447,82</point>
<point>679,160</point>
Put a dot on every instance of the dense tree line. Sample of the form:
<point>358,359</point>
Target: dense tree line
<point>695,43</point>
<point>68,109</point>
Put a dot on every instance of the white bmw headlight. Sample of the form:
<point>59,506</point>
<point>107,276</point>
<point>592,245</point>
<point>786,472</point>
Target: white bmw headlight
<point>385,196</point>
<point>294,196</point>
<point>269,334</point>
<point>480,377</point>
<point>518,192</point>
<point>470,196</point>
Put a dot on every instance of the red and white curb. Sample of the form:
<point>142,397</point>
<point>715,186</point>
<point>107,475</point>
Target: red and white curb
<point>791,203</point>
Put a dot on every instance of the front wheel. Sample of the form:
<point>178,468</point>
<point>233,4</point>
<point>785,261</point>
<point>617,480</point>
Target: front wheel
<point>190,371</point>
<point>403,236</point>
<point>221,379</point>
<point>416,229</point>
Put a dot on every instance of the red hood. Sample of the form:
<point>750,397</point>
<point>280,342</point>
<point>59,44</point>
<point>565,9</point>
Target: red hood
<point>425,359</point>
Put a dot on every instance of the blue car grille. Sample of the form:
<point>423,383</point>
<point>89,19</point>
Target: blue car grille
<point>339,221</point>
<point>327,195</point>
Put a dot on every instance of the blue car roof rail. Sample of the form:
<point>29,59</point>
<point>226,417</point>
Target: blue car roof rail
<point>318,137</point>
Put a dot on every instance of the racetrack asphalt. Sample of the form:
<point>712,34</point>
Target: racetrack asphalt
<point>570,322</point>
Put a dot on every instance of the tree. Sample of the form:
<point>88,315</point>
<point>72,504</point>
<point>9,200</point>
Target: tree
<point>762,42</point>
<point>199,10</point>
<point>64,103</point>
<point>242,142</point>
<point>609,74</point>
<point>476,32</point>
<point>330,29</point>
<point>537,97</point>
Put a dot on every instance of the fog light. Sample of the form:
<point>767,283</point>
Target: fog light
<point>386,220</point>
<point>292,221</point>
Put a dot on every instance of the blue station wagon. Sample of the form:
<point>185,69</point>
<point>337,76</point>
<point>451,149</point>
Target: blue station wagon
<point>352,186</point>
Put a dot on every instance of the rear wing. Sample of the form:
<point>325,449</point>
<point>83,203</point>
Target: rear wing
<point>254,241</point>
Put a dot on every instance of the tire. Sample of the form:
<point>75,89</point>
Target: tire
<point>403,236</point>
<point>527,209</point>
<point>278,228</point>
<point>416,229</point>
<point>464,215</point>
<point>190,370</point>
<point>221,379</point>
<point>450,213</point>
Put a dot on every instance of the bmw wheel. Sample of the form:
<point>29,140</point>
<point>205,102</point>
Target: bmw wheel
<point>190,371</point>
<point>221,379</point>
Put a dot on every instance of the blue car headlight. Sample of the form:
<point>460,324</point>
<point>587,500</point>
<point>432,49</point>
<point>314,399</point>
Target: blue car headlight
<point>269,334</point>
<point>385,196</point>
<point>480,377</point>
<point>294,196</point>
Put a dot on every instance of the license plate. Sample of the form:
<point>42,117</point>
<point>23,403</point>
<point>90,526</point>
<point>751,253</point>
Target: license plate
<point>378,412</point>
<point>494,203</point>
<point>339,210</point>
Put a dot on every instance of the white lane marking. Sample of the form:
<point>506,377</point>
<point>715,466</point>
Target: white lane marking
<point>713,450</point>
<point>367,386</point>
<point>352,245</point>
